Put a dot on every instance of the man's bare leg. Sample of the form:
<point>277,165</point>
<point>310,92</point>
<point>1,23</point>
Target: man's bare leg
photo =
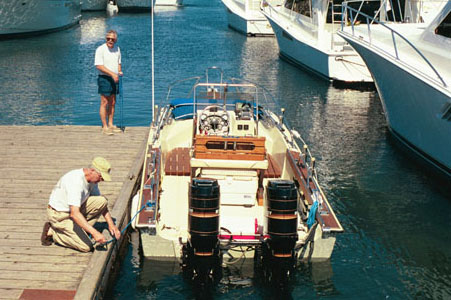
<point>111,107</point>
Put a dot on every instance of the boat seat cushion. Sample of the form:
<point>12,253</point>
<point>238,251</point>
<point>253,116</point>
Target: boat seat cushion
<point>237,187</point>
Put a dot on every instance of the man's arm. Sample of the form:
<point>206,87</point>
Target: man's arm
<point>81,221</point>
<point>109,72</point>
<point>111,226</point>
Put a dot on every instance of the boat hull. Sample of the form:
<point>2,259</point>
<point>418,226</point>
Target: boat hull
<point>251,23</point>
<point>134,4</point>
<point>168,2</point>
<point>146,4</point>
<point>88,5</point>
<point>34,17</point>
<point>414,108</point>
<point>344,66</point>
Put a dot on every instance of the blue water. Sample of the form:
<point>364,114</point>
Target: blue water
<point>397,238</point>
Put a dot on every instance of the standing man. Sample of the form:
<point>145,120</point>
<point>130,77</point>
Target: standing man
<point>108,62</point>
<point>75,205</point>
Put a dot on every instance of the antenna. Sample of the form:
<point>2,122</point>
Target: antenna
<point>153,62</point>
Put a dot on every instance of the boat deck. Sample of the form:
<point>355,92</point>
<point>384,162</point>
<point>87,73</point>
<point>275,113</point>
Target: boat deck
<point>32,159</point>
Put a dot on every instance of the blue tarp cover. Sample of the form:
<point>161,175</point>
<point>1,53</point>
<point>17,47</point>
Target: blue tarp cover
<point>183,107</point>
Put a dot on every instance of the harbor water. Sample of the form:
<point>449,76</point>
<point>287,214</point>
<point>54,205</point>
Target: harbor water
<point>397,222</point>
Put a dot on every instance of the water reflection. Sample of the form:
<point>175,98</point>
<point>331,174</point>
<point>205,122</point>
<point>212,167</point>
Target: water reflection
<point>93,28</point>
<point>397,239</point>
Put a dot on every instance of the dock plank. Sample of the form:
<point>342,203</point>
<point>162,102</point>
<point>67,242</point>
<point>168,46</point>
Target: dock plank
<point>32,159</point>
<point>10,293</point>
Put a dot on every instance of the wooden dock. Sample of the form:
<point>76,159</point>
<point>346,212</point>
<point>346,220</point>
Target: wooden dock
<point>32,159</point>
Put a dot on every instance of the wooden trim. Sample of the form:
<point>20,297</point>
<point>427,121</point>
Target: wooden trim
<point>273,170</point>
<point>324,215</point>
<point>178,162</point>
<point>202,151</point>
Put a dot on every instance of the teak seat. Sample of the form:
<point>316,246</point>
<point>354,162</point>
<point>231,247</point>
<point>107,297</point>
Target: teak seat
<point>178,162</point>
<point>273,170</point>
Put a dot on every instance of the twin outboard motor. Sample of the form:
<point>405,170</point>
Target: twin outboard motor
<point>278,252</point>
<point>282,198</point>
<point>204,215</point>
<point>201,255</point>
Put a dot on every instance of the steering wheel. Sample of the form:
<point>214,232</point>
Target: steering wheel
<point>214,120</point>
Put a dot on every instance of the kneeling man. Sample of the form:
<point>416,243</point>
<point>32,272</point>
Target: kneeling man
<point>75,205</point>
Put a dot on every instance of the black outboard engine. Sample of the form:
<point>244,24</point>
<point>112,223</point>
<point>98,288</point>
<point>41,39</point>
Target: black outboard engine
<point>201,258</point>
<point>278,255</point>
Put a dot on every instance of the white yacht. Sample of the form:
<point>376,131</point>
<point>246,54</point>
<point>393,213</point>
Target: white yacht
<point>93,4</point>
<point>411,67</point>
<point>245,16</point>
<point>28,17</point>
<point>306,34</point>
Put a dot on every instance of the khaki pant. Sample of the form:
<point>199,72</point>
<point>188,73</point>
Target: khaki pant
<point>67,233</point>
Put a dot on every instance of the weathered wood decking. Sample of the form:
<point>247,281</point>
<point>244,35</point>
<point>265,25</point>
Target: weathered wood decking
<point>32,159</point>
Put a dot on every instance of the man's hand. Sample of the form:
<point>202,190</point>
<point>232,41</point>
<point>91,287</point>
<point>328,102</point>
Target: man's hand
<point>115,232</point>
<point>99,238</point>
<point>120,73</point>
<point>115,77</point>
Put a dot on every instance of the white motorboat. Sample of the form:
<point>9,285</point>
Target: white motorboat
<point>88,5</point>
<point>22,18</point>
<point>411,66</point>
<point>146,4</point>
<point>224,179</point>
<point>306,35</point>
<point>245,16</point>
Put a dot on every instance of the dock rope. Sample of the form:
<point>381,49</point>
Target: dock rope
<point>129,223</point>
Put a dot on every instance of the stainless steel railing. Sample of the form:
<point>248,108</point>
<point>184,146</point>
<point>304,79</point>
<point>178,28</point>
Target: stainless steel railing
<point>353,14</point>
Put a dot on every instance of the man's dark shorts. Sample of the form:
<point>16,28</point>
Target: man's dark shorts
<point>107,86</point>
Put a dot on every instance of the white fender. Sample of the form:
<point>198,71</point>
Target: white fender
<point>111,8</point>
<point>134,208</point>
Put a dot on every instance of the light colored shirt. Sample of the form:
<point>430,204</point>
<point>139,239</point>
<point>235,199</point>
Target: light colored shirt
<point>72,189</point>
<point>109,58</point>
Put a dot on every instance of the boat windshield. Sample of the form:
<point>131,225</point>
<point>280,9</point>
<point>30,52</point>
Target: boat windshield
<point>303,7</point>
<point>444,29</point>
<point>190,94</point>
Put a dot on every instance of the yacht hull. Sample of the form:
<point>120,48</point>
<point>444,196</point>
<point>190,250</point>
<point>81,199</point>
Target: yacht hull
<point>344,66</point>
<point>146,4</point>
<point>246,20</point>
<point>168,2</point>
<point>414,108</point>
<point>36,16</point>
<point>93,5</point>
<point>134,4</point>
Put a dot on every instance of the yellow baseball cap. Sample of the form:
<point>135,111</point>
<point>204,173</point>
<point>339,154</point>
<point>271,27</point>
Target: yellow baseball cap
<point>102,166</point>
